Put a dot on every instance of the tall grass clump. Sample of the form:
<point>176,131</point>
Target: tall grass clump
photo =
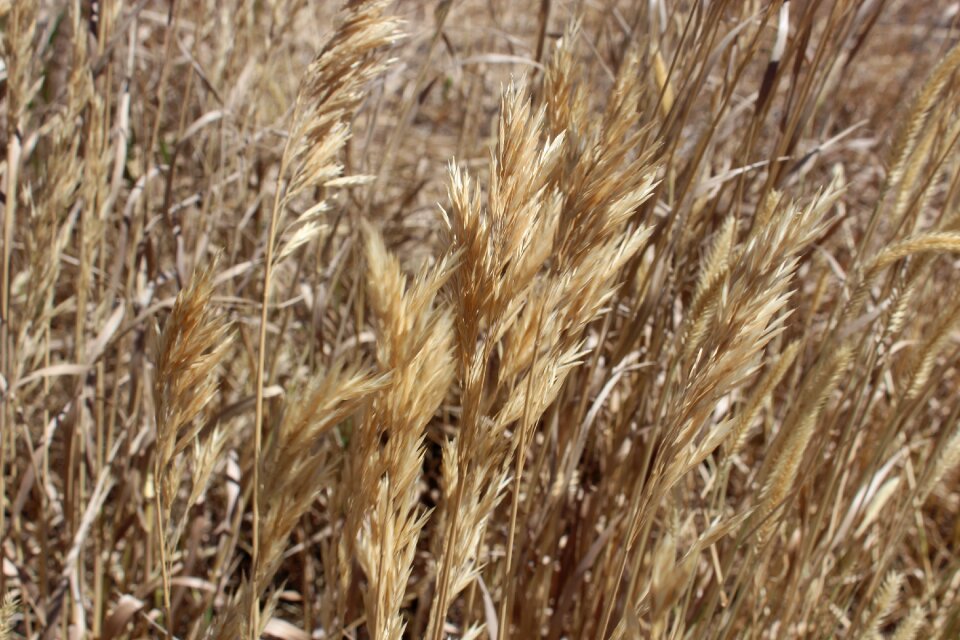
<point>479,320</point>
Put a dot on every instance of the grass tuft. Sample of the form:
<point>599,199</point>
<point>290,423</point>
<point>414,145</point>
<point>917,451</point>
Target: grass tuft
<point>479,320</point>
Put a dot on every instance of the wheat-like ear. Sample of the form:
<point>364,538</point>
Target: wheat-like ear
<point>936,339</point>
<point>608,171</point>
<point>703,306</point>
<point>8,610</point>
<point>798,429</point>
<point>298,466</point>
<point>931,242</point>
<point>296,470</point>
<point>716,262</point>
<point>762,392</point>
<point>414,344</point>
<point>566,100</point>
<point>921,107</point>
<point>332,91</point>
<point>193,342</point>
<point>502,247</point>
<point>191,345</point>
<point>944,462</point>
<point>910,626</point>
<point>882,604</point>
<point>330,94</point>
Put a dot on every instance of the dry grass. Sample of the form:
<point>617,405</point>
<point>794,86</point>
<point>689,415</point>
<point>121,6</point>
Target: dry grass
<point>471,319</point>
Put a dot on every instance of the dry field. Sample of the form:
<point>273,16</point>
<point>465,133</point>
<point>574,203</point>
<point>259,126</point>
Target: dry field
<point>567,319</point>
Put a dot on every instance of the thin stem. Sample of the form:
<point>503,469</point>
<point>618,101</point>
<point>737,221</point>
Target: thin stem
<point>509,584</point>
<point>261,366</point>
<point>6,415</point>
<point>161,535</point>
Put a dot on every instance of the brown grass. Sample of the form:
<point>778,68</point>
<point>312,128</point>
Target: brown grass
<point>472,319</point>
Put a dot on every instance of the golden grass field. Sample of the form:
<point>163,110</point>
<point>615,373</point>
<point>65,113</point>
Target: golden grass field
<point>567,319</point>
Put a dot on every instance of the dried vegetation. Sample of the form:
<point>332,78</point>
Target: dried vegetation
<point>628,319</point>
